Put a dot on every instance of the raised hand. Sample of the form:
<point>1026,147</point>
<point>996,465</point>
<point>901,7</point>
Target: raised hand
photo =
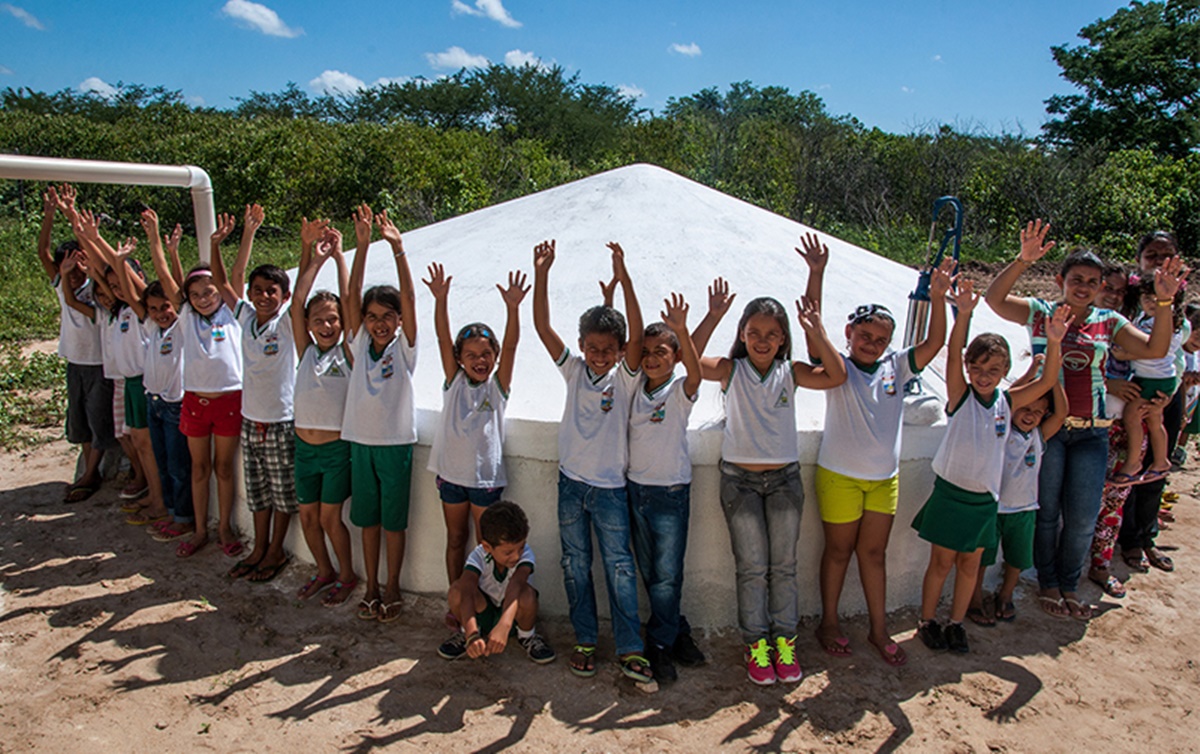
<point>1169,278</point>
<point>363,217</point>
<point>86,224</point>
<point>438,282</point>
<point>312,231</point>
<point>172,241</point>
<point>1057,326</point>
<point>608,290</point>
<point>225,226</point>
<point>543,256</point>
<point>149,222</point>
<point>125,248</point>
<point>809,314</point>
<point>618,260</point>
<point>253,218</point>
<point>514,294</point>
<point>329,245</point>
<point>388,230</point>
<point>815,254</point>
<point>66,199</point>
<point>69,262</point>
<point>1033,241</point>
<point>50,201</point>
<point>941,279</point>
<point>675,314</point>
<point>719,297</point>
<point>965,298</point>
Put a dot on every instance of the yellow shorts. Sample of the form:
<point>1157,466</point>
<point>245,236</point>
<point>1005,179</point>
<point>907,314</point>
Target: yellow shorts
<point>842,499</point>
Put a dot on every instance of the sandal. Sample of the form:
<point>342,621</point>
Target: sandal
<point>390,611</point>
<point>133,507</point>
<point>1162,562</point>
<point>583,660</point>
<point>891,653</point>
<point>313,586</point>
<point>839,646</point>
<point>1152,476</point>
<point>637,668</point>
<point>187,549</point>
<point>1055,607</point>
<point>1137,561</point>
<point>1005,611</point>
<point>368,609</point>
<point>263,574</point>
<point>980,616</point>
<point>133,493</point>
<point>242,569</point>
<point>143,519</point>
<point>1111,586</point>
<point>1079,610</point>
<point>232,549</point>
<point>1117,479</point>
<point>77,493</point>
<point>172,532</point>
<point>340,592</point>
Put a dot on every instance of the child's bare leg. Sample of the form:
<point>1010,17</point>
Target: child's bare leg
<point>941,560</point>
<point>262,534</point>
<point>201,451</point>
<point>91,465</point>
<point>458,532</point>
<point>1132,416</point>
<point>476,512</point>
<point>135,462</point>
<point>465,601</point>
<point>873,534</point>
<point>966,570</point>
<point>314,537</point>
<point>281,521</point>
<point>339,537</point>
<point>527,607</point>
<point>840,541</point>
<point>395,541</point>
<point>223,462</point>
<point>372,537</point>
<point>154,500</point>
<point>1012,575</point>
<point>1157,435</point>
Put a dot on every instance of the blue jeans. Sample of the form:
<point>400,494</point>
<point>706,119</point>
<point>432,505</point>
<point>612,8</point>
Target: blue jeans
<point>172,456</point>
<point>660,528</point>
<point>580,508</point>
<point>1070,485</point>
<point>762,509</point>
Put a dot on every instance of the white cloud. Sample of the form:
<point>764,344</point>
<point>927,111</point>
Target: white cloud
<point>906,90</point>
<point>23,16</point>
<point>385,80</point>
<point>260,18</point>
<point>5,70</point>
<point>454,58</point>
<point>493,9</point>
<point>520,58</point>
<point>633,91</point>
<point>691,50</point>
<point>937,58</point>
<point>196,101</point>
<point>336,82</point>
<point>99,86</point>
<point>824,87</point>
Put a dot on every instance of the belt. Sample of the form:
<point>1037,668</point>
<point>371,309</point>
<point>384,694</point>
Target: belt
<point>1086,422</point>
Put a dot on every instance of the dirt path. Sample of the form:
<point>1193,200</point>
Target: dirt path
<point>109,643</point>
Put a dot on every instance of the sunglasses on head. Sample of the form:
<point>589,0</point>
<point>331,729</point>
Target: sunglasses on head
<point>867,311</point>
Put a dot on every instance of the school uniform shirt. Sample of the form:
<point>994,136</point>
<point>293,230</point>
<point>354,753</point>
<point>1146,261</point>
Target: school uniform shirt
<point>322,383</point>
<point>164,361</point>
<point>491,583</point>
<point>78,334</point>
<point>971,455</point>
<point>863,417</point>
<point>129,342</point>
<point>593,436</point>
<point>1084,354</point>
<point>1167,366</point>
<point>380,408</point>
<point>658,422</point>
<point>1022,462</point>
<point>760,415</point>
<point>108,341</point>
<point>212,350</point>
<point>268,365</point>
<point>468,449</point>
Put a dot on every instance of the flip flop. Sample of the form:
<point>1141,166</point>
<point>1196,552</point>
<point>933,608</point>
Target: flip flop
<point>340,592</point>
<point>583,660</point>
<point>1111,586</point>
<point>390,611</point>
<point>1080,611</point>
<point>1158,560</point>
<point>242,569</point>
<point>1152,476</point>
<point>979,617</point>
<point>144,519</point>
<point>838,647</point>
<point>232,549</point>
<point>892,654</point>
<point>313,586</point>
<point>187,549</point>
<point>1124,480</point>
<point>133,493</point>
<point>263,574</point>
<point>133,507</point>
<point>1055,607</point>
<point>77,493</point>
<point>1007,611</point>
<point>368,609</point>
<point>1138,563</point>
<point>636,668</point>
<point>170,533</point>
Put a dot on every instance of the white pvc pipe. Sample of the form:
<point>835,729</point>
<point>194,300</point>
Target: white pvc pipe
<point>20,167</point>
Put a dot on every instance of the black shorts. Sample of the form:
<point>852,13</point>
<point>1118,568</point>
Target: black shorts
<point>89,406</point>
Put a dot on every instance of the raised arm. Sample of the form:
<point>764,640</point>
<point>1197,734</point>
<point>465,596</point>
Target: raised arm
<point>229,294</point>
<point>816,255</point>
<point>70,262</point>
<point>1055,421</point>
<point>513,295</point>
<point>543,259</point>
<point>1033,248</point>
<point>408,300</point>
<point>633,312</point>
<point>675,317</point>
<point>87,232</point>
<point>609,290</point>
<point>133,285</point>
<point>172,244</point>
<point>719,301</point>
<point>352,301</point>
<point>831,371</point>
<point>171,286</point>
<point>1056,330</point>
<point>44,252</point>
<point>966,299</point>
<point>1168,279</point>
<point>251,222</point>
<point>439,286</point>
<point>311,232</point>
<point>927,350</point>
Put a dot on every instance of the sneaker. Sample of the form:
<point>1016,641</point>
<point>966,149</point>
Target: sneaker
<point>956,638</point>
<point>454,647</point>
<point>685,652</point>
<point>536,647</point>
<point>1179,455</point>
<point>660,661</point>
<point>931,634</point>
<point>787,667</point>
<point>758,663</point>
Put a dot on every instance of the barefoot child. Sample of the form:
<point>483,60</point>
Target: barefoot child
<point>959,519</point>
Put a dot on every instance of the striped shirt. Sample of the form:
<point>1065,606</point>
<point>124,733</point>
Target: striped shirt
<point>1084,353</point>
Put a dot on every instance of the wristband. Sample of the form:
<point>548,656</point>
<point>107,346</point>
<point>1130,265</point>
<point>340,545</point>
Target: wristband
<point>1165,302</point>
<point>474,635</point>
<point>1023,262</point>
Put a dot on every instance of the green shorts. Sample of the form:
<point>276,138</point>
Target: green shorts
<point>1015,534</point>
<point>488,619</point>
<point>842,499</point>
<point>957,519</point>
<point>1193,425</point>
<point>322,472</point>
<point>380,477</point>
<point>136,408</point>
<point>1152,386</point>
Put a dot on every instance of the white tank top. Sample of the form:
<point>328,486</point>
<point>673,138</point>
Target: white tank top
<point>469,447</point>
<point>1022,462</point>
<point>380,409</point>
<point>760,415</point>
<point>268,365</point>
<point>164,362</point>
<point>212,350</point>
<point>322,381</point>
<point>971,455</point>
<point>129,344</point>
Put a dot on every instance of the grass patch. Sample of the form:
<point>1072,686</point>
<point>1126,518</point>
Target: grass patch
<point>33,397</point>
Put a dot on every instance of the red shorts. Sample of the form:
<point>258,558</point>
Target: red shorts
<point>202,417</point>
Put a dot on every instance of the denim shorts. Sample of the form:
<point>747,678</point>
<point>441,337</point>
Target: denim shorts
<point>453,494</point>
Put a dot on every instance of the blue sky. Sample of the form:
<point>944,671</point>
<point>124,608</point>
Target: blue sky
<point>900,66</point>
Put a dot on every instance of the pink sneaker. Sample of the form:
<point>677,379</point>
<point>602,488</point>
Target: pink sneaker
<point>787,667</point>
<point>758,663</point>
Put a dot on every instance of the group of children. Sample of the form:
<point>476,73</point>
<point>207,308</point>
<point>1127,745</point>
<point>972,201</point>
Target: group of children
<point>316,388</point>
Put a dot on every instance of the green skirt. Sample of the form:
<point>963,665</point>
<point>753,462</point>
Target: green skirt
<point>957,519</point>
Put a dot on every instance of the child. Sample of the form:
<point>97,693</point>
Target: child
<point>593,442</point>
<point>89,393</point>
<point>1017,504</point>
<point>660,472</point>
<point>380,420</point>
<point>467,454</point>
<point>493,592</point>
<point>761,490</point>
<point>1152,376</point>
<point>959,519</point>
<point>322,460</point>
<point>857,477</point>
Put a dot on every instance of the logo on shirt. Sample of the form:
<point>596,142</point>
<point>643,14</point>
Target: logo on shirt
<point>606,399</point>
<point>124,325</point>
<point>334,371</point>
<point>218,333</point>
<point>271,346</point>
<point>387,367</point>
<point>1076,361</point>
<point>166,346</point>
<point>1001,424</point>
<point>659,413</point>
<point>485,406</point>
<point>889,382</point>
<point>1030,458</point>
<point>784,400</point>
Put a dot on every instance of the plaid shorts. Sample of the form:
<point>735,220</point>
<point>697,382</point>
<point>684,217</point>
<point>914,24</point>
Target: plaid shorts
<point>268,457</point>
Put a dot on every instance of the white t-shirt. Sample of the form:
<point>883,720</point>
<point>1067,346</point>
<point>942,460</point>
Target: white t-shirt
<point>492,584</point>
<point>380,409</point>
<point>129,342</point>
<point>971,455</point>
<point>268,365</point>
<point>863,417</point>
<point>108,341</point>
<point>658,422</point>
<point>212,350</point>
<point>1022,462</point>
<point>1161,368</point>
<point>78,334</point>
<point>593,436</point>
<point>322,382</point>
<point>164,361</point>
<point>468,449</point>
<point>760,415</point>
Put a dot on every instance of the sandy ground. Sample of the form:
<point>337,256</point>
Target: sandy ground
<point>109,643</point>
